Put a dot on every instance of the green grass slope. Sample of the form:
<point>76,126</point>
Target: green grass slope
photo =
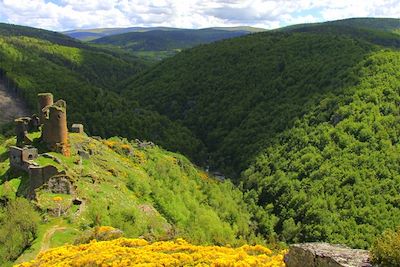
<point>144,191</point>
<point>86,77</point>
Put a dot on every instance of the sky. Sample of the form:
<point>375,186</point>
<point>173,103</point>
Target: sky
<point>61,15</point>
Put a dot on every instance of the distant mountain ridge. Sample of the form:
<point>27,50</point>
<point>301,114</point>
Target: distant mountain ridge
<point>391,25</point>
<point>92,34</point>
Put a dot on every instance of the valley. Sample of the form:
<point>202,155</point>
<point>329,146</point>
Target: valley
<point>303,122</point>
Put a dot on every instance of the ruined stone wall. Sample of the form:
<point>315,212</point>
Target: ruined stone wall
<point>39,176</point>
<point>21,158</point>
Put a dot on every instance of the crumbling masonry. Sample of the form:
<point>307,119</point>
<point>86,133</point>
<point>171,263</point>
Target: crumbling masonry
<point>52,120</point>
<point>53,116</point>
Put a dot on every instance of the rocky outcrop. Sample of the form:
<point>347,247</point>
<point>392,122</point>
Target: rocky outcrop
<point>326,255</point>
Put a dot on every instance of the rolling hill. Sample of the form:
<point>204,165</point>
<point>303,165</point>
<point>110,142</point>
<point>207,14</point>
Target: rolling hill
<point>33,61</point>
<point>391,25</point>
<point>160,44</point>
<point>307,119</point>
<point>92,34</point>
<point>237,94</point>
<point>159,40</point>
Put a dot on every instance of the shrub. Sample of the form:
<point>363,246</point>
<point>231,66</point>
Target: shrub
<point>18,228</point>
<point>99,233</point>
<point>386,249</point>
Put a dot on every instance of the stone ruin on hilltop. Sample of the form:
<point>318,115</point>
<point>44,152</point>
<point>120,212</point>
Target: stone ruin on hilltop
<point>52,121</point>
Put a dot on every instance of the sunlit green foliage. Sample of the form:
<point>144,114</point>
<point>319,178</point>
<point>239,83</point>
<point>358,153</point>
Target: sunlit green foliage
<point>308,120</point>
<point>18,228</point>
<point>385,251</point>
<point>236,95</point>
<point>335,176</point>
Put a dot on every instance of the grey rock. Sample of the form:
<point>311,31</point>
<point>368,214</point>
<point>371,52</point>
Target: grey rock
<point>326,255</point>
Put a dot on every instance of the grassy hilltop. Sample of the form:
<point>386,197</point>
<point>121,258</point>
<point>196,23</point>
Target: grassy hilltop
<point>144,191</point>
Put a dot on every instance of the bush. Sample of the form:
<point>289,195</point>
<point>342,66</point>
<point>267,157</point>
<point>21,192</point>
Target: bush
<point>18,228</point>
<point>99,233</point>
<point>386,249</point>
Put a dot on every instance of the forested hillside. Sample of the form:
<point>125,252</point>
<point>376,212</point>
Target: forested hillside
<point>92,34</point>
<point>237,94</point>
<point>159,40</point>
<point>159,44</point>
<point>335,175</point>
<point>308,119</point>
<point>390,25</point>
<point>34,61</point>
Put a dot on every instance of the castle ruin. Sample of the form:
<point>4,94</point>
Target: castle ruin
<point>52,121</point>
<point>53,117</point>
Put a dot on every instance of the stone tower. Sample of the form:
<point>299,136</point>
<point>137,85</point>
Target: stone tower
<point>44,100</point>
<point>55,131</point>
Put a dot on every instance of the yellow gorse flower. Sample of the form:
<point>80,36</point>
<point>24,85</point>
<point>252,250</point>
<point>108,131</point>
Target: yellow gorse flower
<point>57,199</point>
<point>103,229</point>
<point>130,252</point>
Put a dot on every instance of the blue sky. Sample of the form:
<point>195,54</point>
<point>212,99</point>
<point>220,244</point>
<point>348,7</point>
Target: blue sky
<point>62,15</point>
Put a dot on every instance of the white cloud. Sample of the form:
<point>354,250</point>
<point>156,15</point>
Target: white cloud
<point>69,14</point>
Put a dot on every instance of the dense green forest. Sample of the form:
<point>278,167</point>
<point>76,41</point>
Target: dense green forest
<point>390,25</point>
<point>34,61</point>
<point>306,119</point>
<point>237,94</point>
<point>335,175</point>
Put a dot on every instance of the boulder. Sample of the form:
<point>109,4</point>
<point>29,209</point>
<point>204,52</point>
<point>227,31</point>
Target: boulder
<point>326,255</point>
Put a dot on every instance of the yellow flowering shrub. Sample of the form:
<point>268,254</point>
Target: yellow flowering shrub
<point>130,252</point>
<point>102,229</point>
<point>139,157</point>
<point>109,143</point>
<point>57,199</point>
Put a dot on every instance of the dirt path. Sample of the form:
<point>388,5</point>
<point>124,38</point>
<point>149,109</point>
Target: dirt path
<point>11,107</point>
<point>81,209</point>
<point>47,236</point>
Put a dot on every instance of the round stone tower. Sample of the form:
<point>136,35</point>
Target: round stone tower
<point>55,131</point>
<point>44,100</point>
<point>58,125</point>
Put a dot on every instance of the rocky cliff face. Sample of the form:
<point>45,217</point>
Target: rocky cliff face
<point>326,255</point>
<point>11,106</point>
